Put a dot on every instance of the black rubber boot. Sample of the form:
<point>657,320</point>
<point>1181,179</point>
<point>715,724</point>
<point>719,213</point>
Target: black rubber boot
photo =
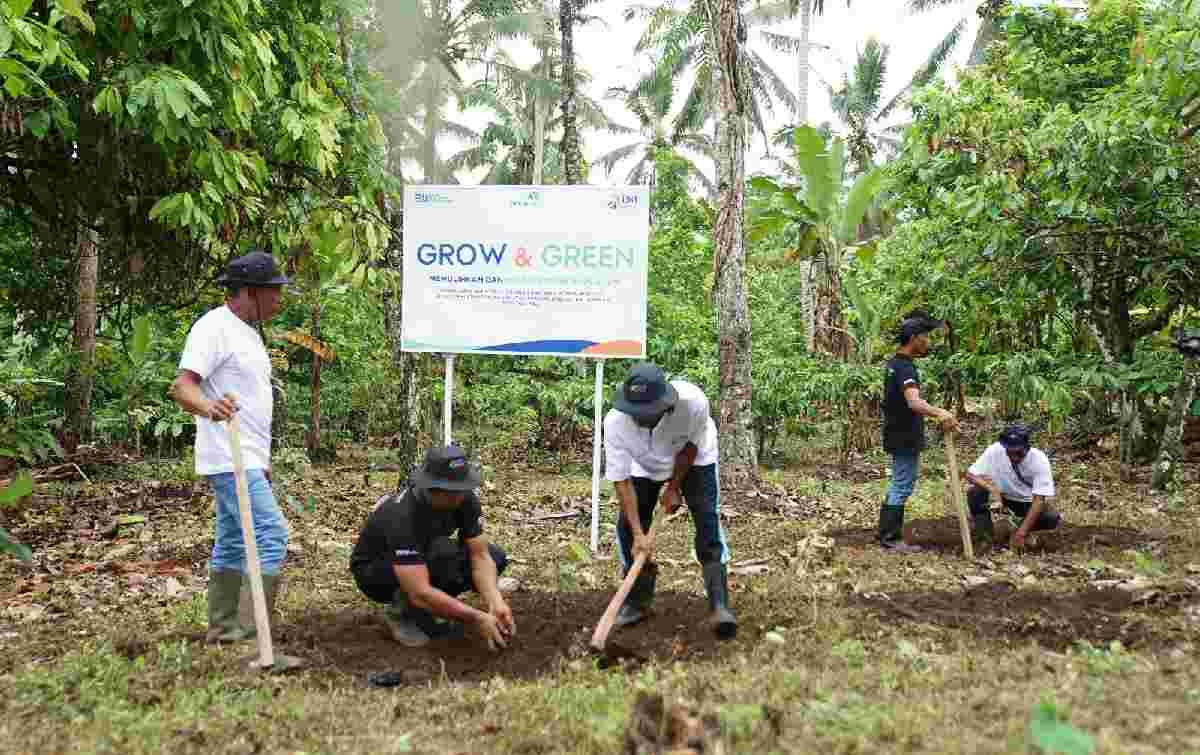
<point>716,584</point>
<point>637,603</point>
<point>891,531</point>
<point>982,528</point>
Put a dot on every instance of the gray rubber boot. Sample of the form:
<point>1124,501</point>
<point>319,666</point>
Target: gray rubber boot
<point>716,584</point>
<point>224,585</point>
<point>272,584</point>
<point>637,603</point>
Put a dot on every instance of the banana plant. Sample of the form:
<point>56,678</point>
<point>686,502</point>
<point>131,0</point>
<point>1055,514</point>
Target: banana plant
<point>823,216</point>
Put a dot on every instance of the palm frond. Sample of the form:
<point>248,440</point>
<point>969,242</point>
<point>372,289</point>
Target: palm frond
<point>779,88</point>
<point>699,175</point>
<point>921,6</point>
<point>937,58</point>
<point>459,131</point>
<point>609,159</point>
<point>783,42</point>
<point>695,111</point>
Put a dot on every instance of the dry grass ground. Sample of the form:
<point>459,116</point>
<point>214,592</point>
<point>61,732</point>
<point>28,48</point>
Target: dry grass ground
<point>841,648</point>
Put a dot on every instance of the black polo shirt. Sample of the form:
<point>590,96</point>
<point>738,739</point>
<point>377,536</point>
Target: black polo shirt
<point>401,529</point>
<point>903,429</point>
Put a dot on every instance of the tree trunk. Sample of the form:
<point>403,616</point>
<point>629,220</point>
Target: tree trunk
<point>1170,449</point>
<point>571,157</point>
<point>82,373</point>
<point>539,142</point>
<point>738,450</point>
<point>808,293</point>
<point>830,334</point>
<point>314,420</point>
<point>406,364</point>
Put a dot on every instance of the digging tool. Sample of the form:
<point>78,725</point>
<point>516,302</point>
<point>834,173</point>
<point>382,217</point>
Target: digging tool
<point>266,653</point>
<point>956,495</point>
<point>600,636</point>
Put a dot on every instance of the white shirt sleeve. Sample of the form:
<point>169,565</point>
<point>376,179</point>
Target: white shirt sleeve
<point>618,462</point>
<point>983,465</point>
<point>1043,478</point>
<point>201,350</point>
<point>698,421</point>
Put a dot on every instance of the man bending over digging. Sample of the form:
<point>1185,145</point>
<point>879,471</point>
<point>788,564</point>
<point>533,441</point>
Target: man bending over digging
<point>1020,477</point>
<point>660,438</point>
<point>405,559</point>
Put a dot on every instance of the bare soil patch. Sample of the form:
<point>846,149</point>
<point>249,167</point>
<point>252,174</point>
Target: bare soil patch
<point>943,535</point>
<point>551,628</point>
<point>1054,620</point>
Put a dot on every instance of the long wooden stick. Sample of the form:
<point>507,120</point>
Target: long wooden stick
<point>600,635</point>
<point>266,653</point>
<point>956,495</point>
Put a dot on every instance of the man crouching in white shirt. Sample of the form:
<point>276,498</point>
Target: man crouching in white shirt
<point>1020,476</point>
<point>660,438</point>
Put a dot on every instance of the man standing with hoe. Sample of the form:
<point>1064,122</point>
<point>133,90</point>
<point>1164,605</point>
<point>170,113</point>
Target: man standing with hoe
<point>904,413</point>
<point>660,438</point>
<point>225,369</point>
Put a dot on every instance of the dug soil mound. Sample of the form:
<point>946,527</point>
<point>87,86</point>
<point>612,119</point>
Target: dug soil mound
<point>943,535</point>
<point>1054,620</point>
<point>551,628</point>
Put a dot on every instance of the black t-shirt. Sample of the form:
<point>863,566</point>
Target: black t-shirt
<point>903,429</point>
<point>404,525</point>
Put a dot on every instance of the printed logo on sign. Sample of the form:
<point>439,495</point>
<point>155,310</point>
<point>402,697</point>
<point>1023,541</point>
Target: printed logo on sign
<point>531,199</point>
<point>620,200</point>
<point>431,198</point>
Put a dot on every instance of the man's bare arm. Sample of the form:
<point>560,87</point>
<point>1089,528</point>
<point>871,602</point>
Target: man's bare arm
<point>186,392</point>
<point>912,394</point>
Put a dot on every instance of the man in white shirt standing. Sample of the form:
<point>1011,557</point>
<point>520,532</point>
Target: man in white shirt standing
<point>660,439</point>
<point>1020,476</point>
<point>224,370</point>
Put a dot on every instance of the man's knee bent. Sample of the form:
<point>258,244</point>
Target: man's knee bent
<point>977,499</point>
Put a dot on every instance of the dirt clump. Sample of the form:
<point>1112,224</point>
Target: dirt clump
<point>1054,620</point>
<point>551,628</point>
<point>943,535</point>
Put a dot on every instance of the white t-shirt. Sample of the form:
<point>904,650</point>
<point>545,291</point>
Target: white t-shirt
<point>632,451</point>
<point>1035,468</point>
<point>229,356</point>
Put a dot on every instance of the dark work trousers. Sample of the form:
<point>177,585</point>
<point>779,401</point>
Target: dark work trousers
<point>977,501</point>
<point>449,564</point>
<point>702,493</point>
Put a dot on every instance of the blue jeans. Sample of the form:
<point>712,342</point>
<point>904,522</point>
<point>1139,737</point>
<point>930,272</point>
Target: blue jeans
<point>270,526</point>
<point>906,467</point>
<point>701,490</point>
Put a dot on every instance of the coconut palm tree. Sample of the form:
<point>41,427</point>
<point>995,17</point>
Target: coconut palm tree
<point>657,131</point>
<point>858,101</point>
<point>518,146</point>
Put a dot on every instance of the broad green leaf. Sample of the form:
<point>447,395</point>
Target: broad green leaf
<point>764,184</point>
<point>7,544</point>
<point>74,9</point>
<point>141,339</point>
<point>21,486</point>
<point>1053,735</point>
<point>6,38</point>
<point>18,8</point>
<point>38,123</point>
<point>861,195</point>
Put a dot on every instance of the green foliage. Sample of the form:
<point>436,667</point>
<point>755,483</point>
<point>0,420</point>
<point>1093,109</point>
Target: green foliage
<point>1113,659</point>
<point>1050,731</point>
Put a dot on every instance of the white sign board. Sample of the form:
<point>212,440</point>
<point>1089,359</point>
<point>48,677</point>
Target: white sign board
<point>552,270</point>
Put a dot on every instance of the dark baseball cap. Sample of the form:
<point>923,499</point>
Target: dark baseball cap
<point>915,324</point>
<point>1015,436</point>
<point>645,393</point>
<point>254,269</point>
<point>446,468</point>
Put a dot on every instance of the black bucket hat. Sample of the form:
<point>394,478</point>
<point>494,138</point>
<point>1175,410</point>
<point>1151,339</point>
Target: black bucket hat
<point>645,393</point>
<point>446,468</point>
<point>254,269</point>
<point>915,324</point>
<point>1015,436</point>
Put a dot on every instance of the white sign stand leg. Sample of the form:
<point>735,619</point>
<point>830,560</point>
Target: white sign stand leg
<point>597,429</point>
<point>448,402</point>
